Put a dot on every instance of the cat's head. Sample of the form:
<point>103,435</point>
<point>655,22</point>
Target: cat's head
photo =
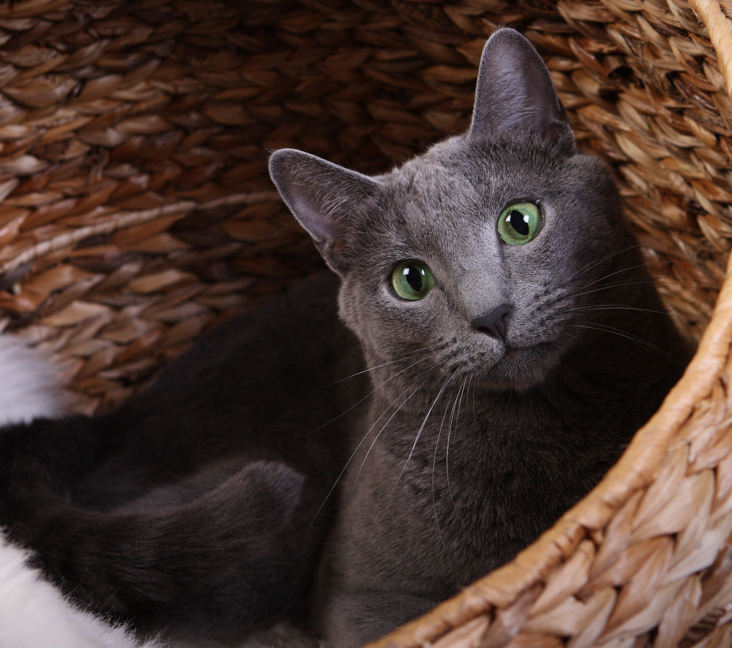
<point>473,257</point>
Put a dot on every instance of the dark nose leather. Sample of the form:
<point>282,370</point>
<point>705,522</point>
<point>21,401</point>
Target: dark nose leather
<point>494,322</point>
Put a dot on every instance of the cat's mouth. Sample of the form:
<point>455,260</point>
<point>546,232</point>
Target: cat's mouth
<point>512,352</point>
<point>523,367</point>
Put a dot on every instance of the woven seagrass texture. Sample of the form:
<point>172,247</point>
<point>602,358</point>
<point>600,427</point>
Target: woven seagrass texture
<point>136,212</point>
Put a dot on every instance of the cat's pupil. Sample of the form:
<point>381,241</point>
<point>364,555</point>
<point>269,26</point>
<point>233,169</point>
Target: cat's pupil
<point>414,278</point>
<point>519,222</point>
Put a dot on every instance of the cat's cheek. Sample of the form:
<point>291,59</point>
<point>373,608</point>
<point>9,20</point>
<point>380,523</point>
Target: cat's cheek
<point>364,314</point>
<point>389,327</point>
<point>348,309</point>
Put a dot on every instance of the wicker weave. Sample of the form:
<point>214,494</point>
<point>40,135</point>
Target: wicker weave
<point>136,212</point>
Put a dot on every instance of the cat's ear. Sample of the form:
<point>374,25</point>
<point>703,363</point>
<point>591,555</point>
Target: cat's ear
<point>515,92</point>
<point>324,197</point>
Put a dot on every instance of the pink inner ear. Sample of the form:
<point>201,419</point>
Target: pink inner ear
<point>324,197</point>
<point>322,228</point>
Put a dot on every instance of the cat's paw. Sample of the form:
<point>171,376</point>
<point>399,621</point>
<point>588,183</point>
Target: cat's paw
<point>267,491</point>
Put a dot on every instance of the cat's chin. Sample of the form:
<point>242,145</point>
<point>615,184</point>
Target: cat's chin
<point>522,368</point>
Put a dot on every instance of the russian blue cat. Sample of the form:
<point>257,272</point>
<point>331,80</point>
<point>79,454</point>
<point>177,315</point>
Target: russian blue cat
<point>503,340</point>
<point>514,337</point>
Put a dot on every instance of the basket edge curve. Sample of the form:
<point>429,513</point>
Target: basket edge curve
<point>719,28</point>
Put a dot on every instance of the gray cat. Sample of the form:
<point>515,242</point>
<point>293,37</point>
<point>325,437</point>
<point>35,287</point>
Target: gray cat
<point>514,338</point>
<point>514,343</point>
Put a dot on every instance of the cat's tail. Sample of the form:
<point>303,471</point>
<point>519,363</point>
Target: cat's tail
<point>222,561</point>
<point>33,612</point>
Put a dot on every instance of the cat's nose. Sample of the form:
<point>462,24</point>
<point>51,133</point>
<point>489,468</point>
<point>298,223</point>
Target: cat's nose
<point>494,322</point>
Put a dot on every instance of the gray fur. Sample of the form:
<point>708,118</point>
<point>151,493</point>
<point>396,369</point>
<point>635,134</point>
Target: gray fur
<point>472,446</point>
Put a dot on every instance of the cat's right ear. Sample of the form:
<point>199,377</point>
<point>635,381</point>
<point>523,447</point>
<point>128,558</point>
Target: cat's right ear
<point>323,196</point>
<point>515,93</point>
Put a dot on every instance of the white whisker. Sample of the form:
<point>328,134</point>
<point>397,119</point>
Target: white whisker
<point>614,307</point>
<point>375,389</point>
<point>383,427</point>
<point>449,432</point>
<point>595,263</point>
<point>612,274</point>
<point>385,364</point>
<point>579,342</point>
<point>365,436</point>
<point>634,338</point>
<point>419,434</point>
<point>644,282</point>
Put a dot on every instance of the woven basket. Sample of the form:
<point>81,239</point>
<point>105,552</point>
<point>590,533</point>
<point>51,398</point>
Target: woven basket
<point>136,212</point>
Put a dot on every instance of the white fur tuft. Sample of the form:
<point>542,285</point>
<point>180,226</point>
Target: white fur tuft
<point>27,385</point>
<point>33,613</point>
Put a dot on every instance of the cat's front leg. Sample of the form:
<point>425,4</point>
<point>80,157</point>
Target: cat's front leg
<point>381,569</point>
<point>352,619</point>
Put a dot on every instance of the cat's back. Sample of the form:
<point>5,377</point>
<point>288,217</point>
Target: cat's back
<point>291,329</point>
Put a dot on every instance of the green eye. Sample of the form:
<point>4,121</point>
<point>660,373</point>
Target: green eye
<point>519,223</point>
<point>412,279</point>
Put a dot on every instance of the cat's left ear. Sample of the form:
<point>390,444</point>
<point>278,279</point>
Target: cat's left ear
<point>324,197</point>
<point>515,92</point>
